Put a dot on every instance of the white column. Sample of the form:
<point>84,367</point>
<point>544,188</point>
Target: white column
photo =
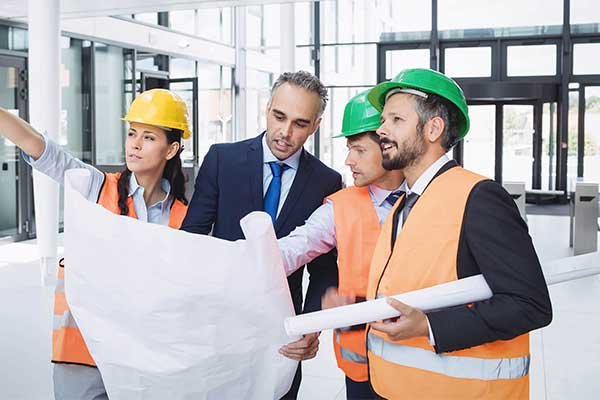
<point>44,112</point>
<point>287,39</point>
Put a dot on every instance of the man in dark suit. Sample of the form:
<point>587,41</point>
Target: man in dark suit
<point>450,224</point>
<point>272,172</point>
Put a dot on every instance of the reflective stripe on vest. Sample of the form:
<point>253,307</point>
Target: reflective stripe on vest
<point>457,367</point>
<point>347,353</point>
<point>68,345</point>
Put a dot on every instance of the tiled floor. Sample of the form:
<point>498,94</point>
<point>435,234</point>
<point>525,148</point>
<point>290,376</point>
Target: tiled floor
<point>565,355</point>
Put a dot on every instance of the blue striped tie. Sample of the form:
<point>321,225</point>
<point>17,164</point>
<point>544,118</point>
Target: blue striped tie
<point>271,201</point>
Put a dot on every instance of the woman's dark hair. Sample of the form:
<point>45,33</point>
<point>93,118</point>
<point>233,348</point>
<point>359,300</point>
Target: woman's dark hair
<point>173,173</point>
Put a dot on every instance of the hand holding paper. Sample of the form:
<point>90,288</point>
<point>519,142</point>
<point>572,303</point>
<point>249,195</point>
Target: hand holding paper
<point>411,322</point>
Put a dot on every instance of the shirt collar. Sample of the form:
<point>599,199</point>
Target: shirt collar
<point>134,187</point>
<point>379,194</point>
<point>426,177</point>
<point>292,161</point>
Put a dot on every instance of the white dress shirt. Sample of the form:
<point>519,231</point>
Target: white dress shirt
<point>287,176</point>
<point>317,235</point>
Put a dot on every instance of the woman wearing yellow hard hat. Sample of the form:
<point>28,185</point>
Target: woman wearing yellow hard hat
<point>150,188</point>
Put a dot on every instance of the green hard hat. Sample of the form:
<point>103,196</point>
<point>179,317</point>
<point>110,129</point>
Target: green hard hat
<point>427,81</point>
<point>359,116</point>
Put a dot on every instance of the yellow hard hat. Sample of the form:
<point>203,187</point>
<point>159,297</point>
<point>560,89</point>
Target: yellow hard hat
<point>160,107</point>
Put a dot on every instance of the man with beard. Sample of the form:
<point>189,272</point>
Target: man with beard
<point>273,173</point>
<point>350,220</point>
<point>451,224</point>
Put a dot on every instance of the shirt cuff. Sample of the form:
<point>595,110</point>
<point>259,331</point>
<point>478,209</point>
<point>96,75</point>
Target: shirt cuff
<point>42,159</point>
<point>431,338</point>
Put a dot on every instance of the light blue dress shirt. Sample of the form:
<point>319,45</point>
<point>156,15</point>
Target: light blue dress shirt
<point>54,161</point>
<point>287,177</point>
<point>317,236</point>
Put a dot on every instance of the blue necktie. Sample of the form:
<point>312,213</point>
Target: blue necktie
<point>271,201</point>
<point>393,197</point>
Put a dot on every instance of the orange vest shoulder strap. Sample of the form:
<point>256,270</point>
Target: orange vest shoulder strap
<point>109,195</point>
<point>178,211</point>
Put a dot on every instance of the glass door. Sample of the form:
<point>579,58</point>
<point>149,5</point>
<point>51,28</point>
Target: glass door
<point>518,143</point>
<point>14,176</point>
<point>589,148</point>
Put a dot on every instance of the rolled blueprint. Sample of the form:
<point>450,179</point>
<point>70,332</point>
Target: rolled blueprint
<point>462,291</point>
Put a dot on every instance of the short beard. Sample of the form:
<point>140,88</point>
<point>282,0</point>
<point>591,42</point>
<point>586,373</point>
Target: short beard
<point>407,155</point>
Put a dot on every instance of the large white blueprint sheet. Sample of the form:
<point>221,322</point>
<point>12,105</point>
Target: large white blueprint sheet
<point>171,315</point>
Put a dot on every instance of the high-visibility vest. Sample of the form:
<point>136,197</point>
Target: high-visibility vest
<point>424,255</point>
<point>68,345</point>
<point>356,229</point>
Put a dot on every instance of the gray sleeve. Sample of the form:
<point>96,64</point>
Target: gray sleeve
<point>54,161</point>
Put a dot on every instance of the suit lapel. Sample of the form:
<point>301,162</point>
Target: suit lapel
<point>305,168</point>
<point>255,172</point>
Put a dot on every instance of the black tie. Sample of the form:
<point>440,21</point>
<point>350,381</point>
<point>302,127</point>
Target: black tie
<point>408,205</point>
<point>402,212</point>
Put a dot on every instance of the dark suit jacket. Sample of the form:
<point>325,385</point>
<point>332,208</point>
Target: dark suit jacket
<point>229,186</point>
<point>495,242</point>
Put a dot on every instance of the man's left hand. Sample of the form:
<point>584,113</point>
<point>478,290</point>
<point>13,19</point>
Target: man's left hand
<point>411,323</point>
<point>302,349</point>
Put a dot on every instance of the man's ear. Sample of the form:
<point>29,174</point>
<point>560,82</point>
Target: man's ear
<point>435,130</point>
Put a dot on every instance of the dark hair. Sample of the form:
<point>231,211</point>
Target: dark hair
<point>371,134</point>
<point>306,81</point>
<point>173,173</point>
<point>436,106</point>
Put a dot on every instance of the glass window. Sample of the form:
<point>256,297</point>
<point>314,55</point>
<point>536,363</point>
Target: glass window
<point>183,21</point>
<point>111,70</point>
<point>9,157</point>
<point>465,14</point>
<point>182,68</point>
<point>466,62</point>
<point>591,151</point>
<point>479,145</point>
<point>531,60</point>
<point>333,151</point>
<point>12,38</point>
<point>585,12</point>
<point>271,25</point>
<point>585,59</point>
<point>349,65</point>
<point>398,60</point>
<point>517,144</point>
<point>215,106</point>
<point>549,146</point>
<point>345,21</point>
<point>215,24</point>
<point>303,16</point>
<point>257,96</point>
<point>304,60</point>
<point>573,139</point>
<point>149,18</point>
<point>73,135</point>
<point>254,26</point>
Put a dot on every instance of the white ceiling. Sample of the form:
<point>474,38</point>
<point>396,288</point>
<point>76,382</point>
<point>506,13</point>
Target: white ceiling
<point>88,8</point>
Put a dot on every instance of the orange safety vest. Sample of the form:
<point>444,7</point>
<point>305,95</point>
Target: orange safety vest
<point>68,345</point>
<point>356,228</point>
<point>424,255</point>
